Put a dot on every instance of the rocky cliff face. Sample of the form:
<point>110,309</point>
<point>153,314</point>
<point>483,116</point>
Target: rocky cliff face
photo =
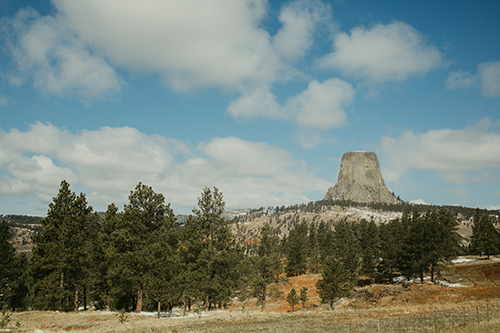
<point>360,180</point>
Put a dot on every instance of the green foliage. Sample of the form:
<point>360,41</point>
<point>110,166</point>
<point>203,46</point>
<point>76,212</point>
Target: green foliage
<point>303,296</point>
<point>336,281</point>
<point>293,298</point>
<point>122,316</point>
<point>485,238</point>
<point>8,272</point>
<point>347,247</point>
<point>145,221</point>
<point>267,267</point>
<point>296,250</point>
<point>60,266</point>
<point>5,318</point>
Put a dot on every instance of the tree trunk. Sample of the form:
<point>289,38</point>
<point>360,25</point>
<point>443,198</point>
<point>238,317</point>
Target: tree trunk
<point>108,300</point>
<point>432,273</point>
<point>62,297</point>
<point>84,298</point>
<point>159,306</point>
<point>421,276</point>
<point>75,307</point>
<point>138,308</point>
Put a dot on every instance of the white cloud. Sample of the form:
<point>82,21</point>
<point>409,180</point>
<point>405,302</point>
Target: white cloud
<point>57,60</point>
<point>487,79</point>
<point>258,102</point>
<point>489,73</point>
<point>319,106</point>
<point>470,154</point>
<point>190,43</point>
<point>460,79</point>
<point>300,19</point>
<point>384,52</point>
<point>107,163</point>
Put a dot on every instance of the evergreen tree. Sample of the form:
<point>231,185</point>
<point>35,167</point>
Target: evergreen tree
<point>485,238</point>
<point>370,247</point>
<point>267,266</point>
<point>59,268</point>
<point>142,223</point>
<point>391,241</point>
<point>8,269</point>
<point>444,242</point>
<point>296,250</point>
<point>347,246</point>
<point>336,281</point>
<point>216,246</point>
<point>293,298</point>
<point>161,280</point>
<point>326,243</point>
<point>191,271</point>
<point>303,296</point>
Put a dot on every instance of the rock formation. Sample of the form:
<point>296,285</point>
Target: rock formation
<point>360,180</point>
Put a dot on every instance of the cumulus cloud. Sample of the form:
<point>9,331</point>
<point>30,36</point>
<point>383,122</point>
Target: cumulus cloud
<point>190,43</point>
<point>299,20</point>
<point>489,73</point>
<point>320,106</point>
<point>107,163</point>
<point>458,156</point>
<point>460,79</point>
<point>383,52</point>
<point>487,79</point>
<point>57,61</point>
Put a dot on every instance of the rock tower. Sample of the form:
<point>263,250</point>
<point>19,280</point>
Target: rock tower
<point>360,180</point>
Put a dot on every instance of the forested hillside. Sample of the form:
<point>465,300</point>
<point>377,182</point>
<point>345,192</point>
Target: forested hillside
<point>140,258</point>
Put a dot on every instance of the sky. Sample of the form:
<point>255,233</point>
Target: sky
<point>258,98</point>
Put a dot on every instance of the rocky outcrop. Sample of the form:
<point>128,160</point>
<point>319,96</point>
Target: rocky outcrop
<point>360,180</point>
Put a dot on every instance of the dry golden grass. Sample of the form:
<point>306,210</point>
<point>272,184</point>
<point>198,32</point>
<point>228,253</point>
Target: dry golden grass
<point>375,308</point>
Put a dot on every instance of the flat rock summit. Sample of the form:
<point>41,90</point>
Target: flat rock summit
<point>360,180</point>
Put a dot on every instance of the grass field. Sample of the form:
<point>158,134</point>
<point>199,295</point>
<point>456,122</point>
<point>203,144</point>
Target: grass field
<point>375,308</point>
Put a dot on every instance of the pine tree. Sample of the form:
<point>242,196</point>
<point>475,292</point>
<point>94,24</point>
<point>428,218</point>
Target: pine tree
<point>347,247</point>
<point>216,246</point>
<point>303,296</point>
<point>143,219</point>
<point>296,250</point>
<point>292,298</point>
<point>267,266</point>
<point>485,238</point>
<point>444,242</point>
<point>370,247</point>
<point>161,279</point>
<point>326,243</point>
<point>336,281</point>
<point>11,270</point>
<point>59,268</point>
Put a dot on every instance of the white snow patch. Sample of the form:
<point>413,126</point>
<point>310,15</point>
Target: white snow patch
<point>460,260</point>
<point>418,202</point>
<point>448,284</point>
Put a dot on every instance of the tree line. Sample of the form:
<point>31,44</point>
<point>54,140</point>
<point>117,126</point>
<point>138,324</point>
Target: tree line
<point>140,259</point>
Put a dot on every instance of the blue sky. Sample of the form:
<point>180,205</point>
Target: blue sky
<point>258,98</point>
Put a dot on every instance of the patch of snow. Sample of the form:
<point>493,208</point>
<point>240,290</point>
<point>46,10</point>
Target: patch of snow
<point>418,202</point>
<point>172,315</point>
<point>398,278</point>
<point>448,284</point>
<point>460,260</point>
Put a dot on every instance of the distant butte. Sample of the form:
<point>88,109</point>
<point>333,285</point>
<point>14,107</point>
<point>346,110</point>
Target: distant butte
<point>360,180</point>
